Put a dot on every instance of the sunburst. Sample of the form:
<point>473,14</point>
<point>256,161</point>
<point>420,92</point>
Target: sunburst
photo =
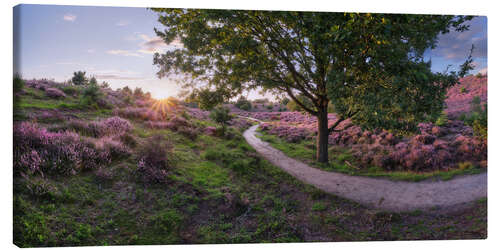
<point>164,106</point>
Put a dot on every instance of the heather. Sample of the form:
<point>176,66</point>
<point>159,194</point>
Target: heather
<point>118,171</point>
<point>37,151</point>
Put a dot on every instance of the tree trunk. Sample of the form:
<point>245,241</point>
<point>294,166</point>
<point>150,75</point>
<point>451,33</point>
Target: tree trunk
<point>322,139</point>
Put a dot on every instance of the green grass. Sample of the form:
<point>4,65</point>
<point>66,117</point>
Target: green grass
<point>342,161</point>
<point>218,191</point>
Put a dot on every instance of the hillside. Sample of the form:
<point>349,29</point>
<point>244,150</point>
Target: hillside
<point>95,166</point>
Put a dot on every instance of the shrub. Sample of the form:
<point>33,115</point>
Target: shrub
<point>243,103</point>
<point>54,93</point>
<point>189,132</point>
<point>91,94</point>
<point>155,159</point>
<point>128,140</point>
<point>116,125</point>
<point>38,151</point>
<point>115,149</point>
<point>79,78</point>
<point>221,116</point>
<point>463,90</point>
<point>18,88</point>
<point>442,119</point>
<point>70,90</point>
<point>209,130</point>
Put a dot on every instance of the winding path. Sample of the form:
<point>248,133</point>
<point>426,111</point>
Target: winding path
<point>378,193</point>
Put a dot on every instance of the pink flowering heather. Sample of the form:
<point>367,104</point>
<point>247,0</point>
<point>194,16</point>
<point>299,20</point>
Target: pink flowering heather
<point>154,160</point>
<point>141,113</point>
<point>116,125</point>
<point>460,96</point>
<point>54,93</point>
<point>112,147</point>
<point>210,131</point>
<point>110,126</point>
<point>37,150</point>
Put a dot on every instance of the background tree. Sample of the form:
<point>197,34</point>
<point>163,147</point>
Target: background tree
<point>93,80</point>
<point>221,116</point>
<point>369,66</point>
<point>79,78</point>
<point>243,103</point>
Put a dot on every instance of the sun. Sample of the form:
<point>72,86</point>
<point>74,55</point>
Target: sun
<point>164,106</point>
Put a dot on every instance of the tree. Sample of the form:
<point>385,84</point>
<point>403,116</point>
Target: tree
<point>369,66</point>
<point>79,78</point>
<point>243,103</point>
<point>93,81</point>
<point>221,116</point>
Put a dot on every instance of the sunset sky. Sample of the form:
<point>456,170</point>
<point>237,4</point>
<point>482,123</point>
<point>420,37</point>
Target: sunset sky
<point>116,44</point>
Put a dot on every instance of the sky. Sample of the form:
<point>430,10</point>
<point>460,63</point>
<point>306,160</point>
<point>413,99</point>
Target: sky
<point>116,45</point>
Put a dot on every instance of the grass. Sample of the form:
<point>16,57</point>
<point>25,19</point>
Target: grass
<point>342,161</point>
<point>219,191</point>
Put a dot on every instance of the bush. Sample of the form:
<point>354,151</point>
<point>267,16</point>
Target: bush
<point>54,93</point>
<point>221,116</point>
<point>70,90</point>
<point>79,78</point>
<point>155,159</point>
<point>110,126</point>
<point>115,149</point>
<point>91,95</point>
<point>442,119</point>
<point>243,103</point>
<point>38,151</point>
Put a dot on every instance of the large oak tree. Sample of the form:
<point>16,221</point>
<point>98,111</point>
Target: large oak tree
<point>369,66</point>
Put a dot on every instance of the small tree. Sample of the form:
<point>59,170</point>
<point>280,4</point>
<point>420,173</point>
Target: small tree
<point>91,94</point>
<point>138,93</point>
<point>79,78</point>
<point>221,116</point>
<point>243,103</point>
<point>93,80</point>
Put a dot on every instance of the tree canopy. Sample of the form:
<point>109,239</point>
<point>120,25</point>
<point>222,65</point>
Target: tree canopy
<point>371,67</point>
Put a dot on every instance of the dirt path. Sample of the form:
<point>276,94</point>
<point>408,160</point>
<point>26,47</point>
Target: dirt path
<point>379,193</point>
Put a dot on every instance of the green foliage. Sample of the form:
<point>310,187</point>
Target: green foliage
<point>463,90</point>
<point>243,103</point>
<point>79,78</point>
<point>93,80</point>
<point>104,85</point>
<point>138,93</point>
<point>284,101</point>
<point>304,54</point>
<point>221,116</point>
<point>442,119</point>
<point>91,95</point>
<point>293,106</point>
<point>70,90</point>
<point>477,118</point>
<point>207,99</point>
<point>18,88</point>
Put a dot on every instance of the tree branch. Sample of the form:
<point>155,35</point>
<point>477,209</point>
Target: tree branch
<point>290,93</point>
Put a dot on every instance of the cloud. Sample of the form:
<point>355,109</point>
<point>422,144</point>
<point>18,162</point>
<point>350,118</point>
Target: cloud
<point>483,71</point>
<point>122,23</point>
<point>155,44</point>
<point>123,53</point>
<point>117,77</point>
<point>113,74</point>
<point>91,51</point>
<point>69,17</point>
<point>456,45</point>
